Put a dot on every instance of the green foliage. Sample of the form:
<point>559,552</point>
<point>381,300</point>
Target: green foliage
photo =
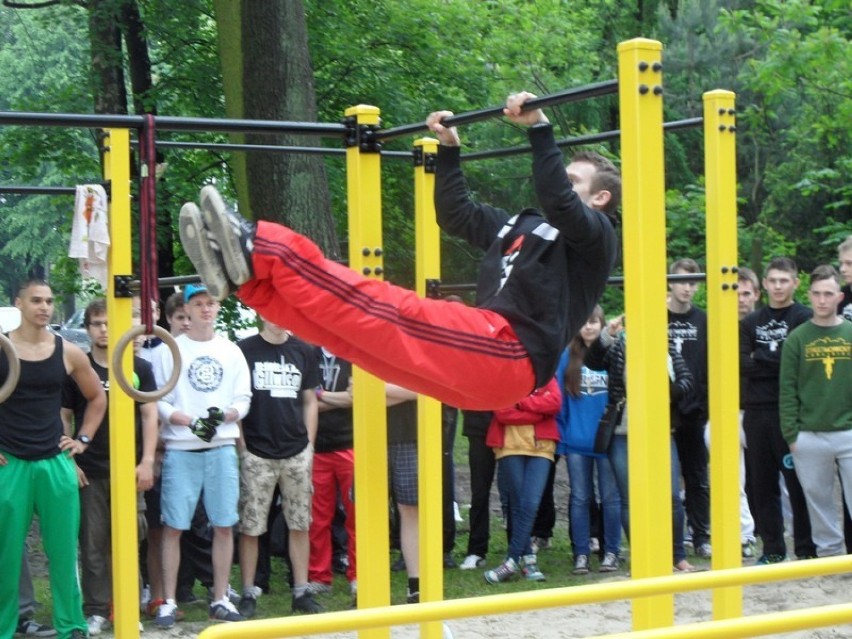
<point>788,63</point>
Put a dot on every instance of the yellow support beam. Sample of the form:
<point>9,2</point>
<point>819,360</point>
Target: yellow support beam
<point>720,166</point>
<point>644,242</point>
<point>427,252</point>
<point>364,189</point>
<point>122,434</point>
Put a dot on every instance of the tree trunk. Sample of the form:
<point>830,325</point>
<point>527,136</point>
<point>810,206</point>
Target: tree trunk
<point>107,74</point>
<point>278,85</point>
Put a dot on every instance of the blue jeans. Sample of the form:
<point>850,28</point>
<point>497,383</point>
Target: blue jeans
<point>523,477</point>
<point>580,468</point>
<point>618,460</point>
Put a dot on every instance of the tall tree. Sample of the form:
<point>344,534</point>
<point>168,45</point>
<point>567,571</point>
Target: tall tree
<point>276,83</point>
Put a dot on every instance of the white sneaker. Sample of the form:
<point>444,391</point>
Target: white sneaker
<point>472,562</point>
<point>97,624</point>
<point>457,513</point>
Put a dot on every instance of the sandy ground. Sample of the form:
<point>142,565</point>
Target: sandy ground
<point>615,617</point>
<point>598,619</point>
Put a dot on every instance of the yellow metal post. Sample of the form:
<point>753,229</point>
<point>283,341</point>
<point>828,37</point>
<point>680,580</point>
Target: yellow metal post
<point>720,166</point>
<point>429,422</point>
<point>363,183</point>
<point>122,440</point>
<point>644,242</point>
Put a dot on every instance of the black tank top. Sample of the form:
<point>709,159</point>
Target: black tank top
<point>30,426</point>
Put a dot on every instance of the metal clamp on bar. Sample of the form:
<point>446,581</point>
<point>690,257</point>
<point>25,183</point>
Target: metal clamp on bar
<point>433,289</point>
<point>364,136</point>
<point>122,285</point>
<point>426,160</point>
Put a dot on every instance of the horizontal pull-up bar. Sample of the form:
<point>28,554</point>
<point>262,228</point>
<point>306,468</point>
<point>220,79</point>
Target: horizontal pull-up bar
<point>570,95</point>
<point>169,123</point>
<point>272,148</point>
<point>38,190</point>
<point>437,288</point>
<point>580,140</point>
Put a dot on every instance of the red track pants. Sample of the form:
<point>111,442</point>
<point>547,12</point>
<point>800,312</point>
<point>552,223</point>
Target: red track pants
<point>333,472</point>
<point>466,357</point>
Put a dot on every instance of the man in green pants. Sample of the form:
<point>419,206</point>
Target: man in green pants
<point>36,470</point>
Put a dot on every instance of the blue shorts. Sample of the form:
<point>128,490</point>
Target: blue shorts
<point>186,473</point>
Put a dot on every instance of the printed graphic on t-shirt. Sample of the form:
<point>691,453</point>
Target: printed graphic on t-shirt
<point>508,261</point>
<point>681,332</point>
<point>280,378</point>
<point>205,374</point>
<point>593,382</point>
<point>828,351</point>
<point>772,334</point>
<point>330,370</point>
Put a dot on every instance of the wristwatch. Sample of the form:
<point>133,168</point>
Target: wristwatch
<point>84,439</point>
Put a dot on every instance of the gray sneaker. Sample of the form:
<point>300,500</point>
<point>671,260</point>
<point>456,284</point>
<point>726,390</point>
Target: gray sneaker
<point>233,235</point>
<point>609,563</point>
<point>581,565</point>
<point>205,256</point>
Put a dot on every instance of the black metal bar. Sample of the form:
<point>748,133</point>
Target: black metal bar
<point>570,95</point>
<point>614,280</point>
<point>38,190</point>
<point>222,146</point>
<point>580,140</point>
<point>169,123</point>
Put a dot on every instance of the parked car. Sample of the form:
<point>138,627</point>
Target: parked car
<point>74,331</point>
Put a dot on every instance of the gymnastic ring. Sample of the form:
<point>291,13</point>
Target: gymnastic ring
<point>14,368</point>
<point>127,338</point>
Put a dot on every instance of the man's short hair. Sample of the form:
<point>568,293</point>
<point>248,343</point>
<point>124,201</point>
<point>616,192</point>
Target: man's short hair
<point>825,272</point>
<point>31,281</point>
<point>745,274</point>
<point>782,263</point>
<point>607,177</point>
<point>95,307</point>
<point>174,303</point>
<point>685,264</point>
<point>845,245</point>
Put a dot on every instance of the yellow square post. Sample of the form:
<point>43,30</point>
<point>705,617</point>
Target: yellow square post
<point>364,189</point>
<point>122,434</point>
<point>644,242</point>
<point>720,166</point>
<point>427,242</point>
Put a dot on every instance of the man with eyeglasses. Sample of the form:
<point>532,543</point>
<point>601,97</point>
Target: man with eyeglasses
<point>93,469</point>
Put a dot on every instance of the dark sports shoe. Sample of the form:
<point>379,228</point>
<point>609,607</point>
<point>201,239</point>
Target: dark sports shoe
<point>247,606</point>
<point>412,597</point>
<point>765,560</point>
<point>232,234</point>
<point>32,628</point>
<point>204,255</point>
<point>224,610</point>
<point>306,604</point>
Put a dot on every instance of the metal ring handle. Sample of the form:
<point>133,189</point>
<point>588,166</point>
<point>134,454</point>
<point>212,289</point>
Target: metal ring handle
<point>127,338</point>
<point>14,375</point>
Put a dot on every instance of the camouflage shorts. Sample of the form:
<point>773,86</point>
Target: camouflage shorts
<point>258,477</point>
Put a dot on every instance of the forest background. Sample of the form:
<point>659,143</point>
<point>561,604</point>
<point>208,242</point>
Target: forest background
<point>309,60</point>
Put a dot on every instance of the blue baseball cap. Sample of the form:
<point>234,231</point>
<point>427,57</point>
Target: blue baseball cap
<point>193,289</point>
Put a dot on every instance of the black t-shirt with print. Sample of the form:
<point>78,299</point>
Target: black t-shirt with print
<point>274,427</point>
<point>95,461</point>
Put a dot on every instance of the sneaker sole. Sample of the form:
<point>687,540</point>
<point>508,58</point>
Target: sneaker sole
<point>208,264</point>
<point>216,218</point>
